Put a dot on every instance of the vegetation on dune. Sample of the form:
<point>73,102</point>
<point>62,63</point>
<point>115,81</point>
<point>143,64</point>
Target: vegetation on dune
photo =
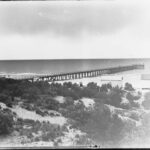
<point>129,87</point>
<point>34,131</point>
<point>78,113</point>
<point>101,126</point>
<point>99,123</point>
<point>6,122</point>
<point>41,93</point>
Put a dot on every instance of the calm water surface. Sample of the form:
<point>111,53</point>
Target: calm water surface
<point>57,66</point>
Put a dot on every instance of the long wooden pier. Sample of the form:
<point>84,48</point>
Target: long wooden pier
<point>80,74</point>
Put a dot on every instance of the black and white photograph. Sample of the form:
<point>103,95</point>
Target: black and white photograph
<point>74,74</point>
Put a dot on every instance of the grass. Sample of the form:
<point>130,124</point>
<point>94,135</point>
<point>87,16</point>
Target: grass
<point>97,123</point>
<point>38,131</point>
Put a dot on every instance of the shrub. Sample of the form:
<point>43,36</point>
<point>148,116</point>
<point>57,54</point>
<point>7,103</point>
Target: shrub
<point>30,96</point>
<point>46,102</point>
<point>91,90</point>
<point>29,121</point>
<point>128,87</point>
<point>115,97</point>
<point>77,112</point>
<point>52,104</point>
<point>6,122</point>
<point>27,106</point>
<point>102,126</point>
<point>40,112</point>
<point>68,84</point>
<point>104,88</point>
<point>68,101</point>
<point>50,131</point>
<point>131,97</point>
<point>6,99</point>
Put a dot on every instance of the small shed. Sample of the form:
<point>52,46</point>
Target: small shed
<point>113,80</point>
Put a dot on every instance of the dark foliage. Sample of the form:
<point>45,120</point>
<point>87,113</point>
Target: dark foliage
<point>33,92</point>
<point>76,112</point>
<point>102,126</point>
<point>6,122</point>
<point>99,123</point>
<point>115,97</point>
<point>105,87</point>
<point>129,87</point>
<point>132,99</point>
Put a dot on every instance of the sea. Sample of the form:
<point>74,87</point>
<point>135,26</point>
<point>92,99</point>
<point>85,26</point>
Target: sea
<point>72,65</point>
<point>65,65</point>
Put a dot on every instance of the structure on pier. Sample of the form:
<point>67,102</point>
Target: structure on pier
<point>80,74</point>
<point>145,76</point>
<point>113,80</point>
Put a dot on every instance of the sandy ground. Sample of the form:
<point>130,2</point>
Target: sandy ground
<point>88,102</point>
<point>60,99</point>
<point>25,114</point>
<point>69,138</point>
<point>133,77</point>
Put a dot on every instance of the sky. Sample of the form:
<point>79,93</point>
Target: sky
<point>74,29</point>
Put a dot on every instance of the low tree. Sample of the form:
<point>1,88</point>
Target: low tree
<point>102,126</point>
<point>6,98</point>
<point>6,122</point>
<point>115,96</point>
<point>128,87</point>
<point>104,88</point>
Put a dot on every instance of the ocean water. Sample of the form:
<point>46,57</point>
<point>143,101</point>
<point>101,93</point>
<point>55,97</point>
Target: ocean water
<point>72,65</point>
<point>65,65</point>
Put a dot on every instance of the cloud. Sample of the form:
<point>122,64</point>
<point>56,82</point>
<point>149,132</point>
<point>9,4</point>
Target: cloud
<point>120,45</point>
<point>65,20</point>
<point>74,30</point>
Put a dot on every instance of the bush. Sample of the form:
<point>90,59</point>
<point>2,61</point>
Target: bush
<point>50,131</point>
<point>115,97</point>
<point>6,99</point>
<point>51,104</point>
<point>31,94</point>
<point>6,122</point>
<point>91,90</point>
<point>77,113</point>
<point>104,88</point>
<point>29,121</point>
<point>68,101</point>
<point>131,97</point>
<point>46,102</point>
<point>40,112</point>
<point>129,87</point>
<point>102,126</point>
<point>27,105</point>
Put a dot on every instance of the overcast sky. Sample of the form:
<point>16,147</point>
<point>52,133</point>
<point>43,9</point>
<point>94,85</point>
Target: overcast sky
<point>87,29</point>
